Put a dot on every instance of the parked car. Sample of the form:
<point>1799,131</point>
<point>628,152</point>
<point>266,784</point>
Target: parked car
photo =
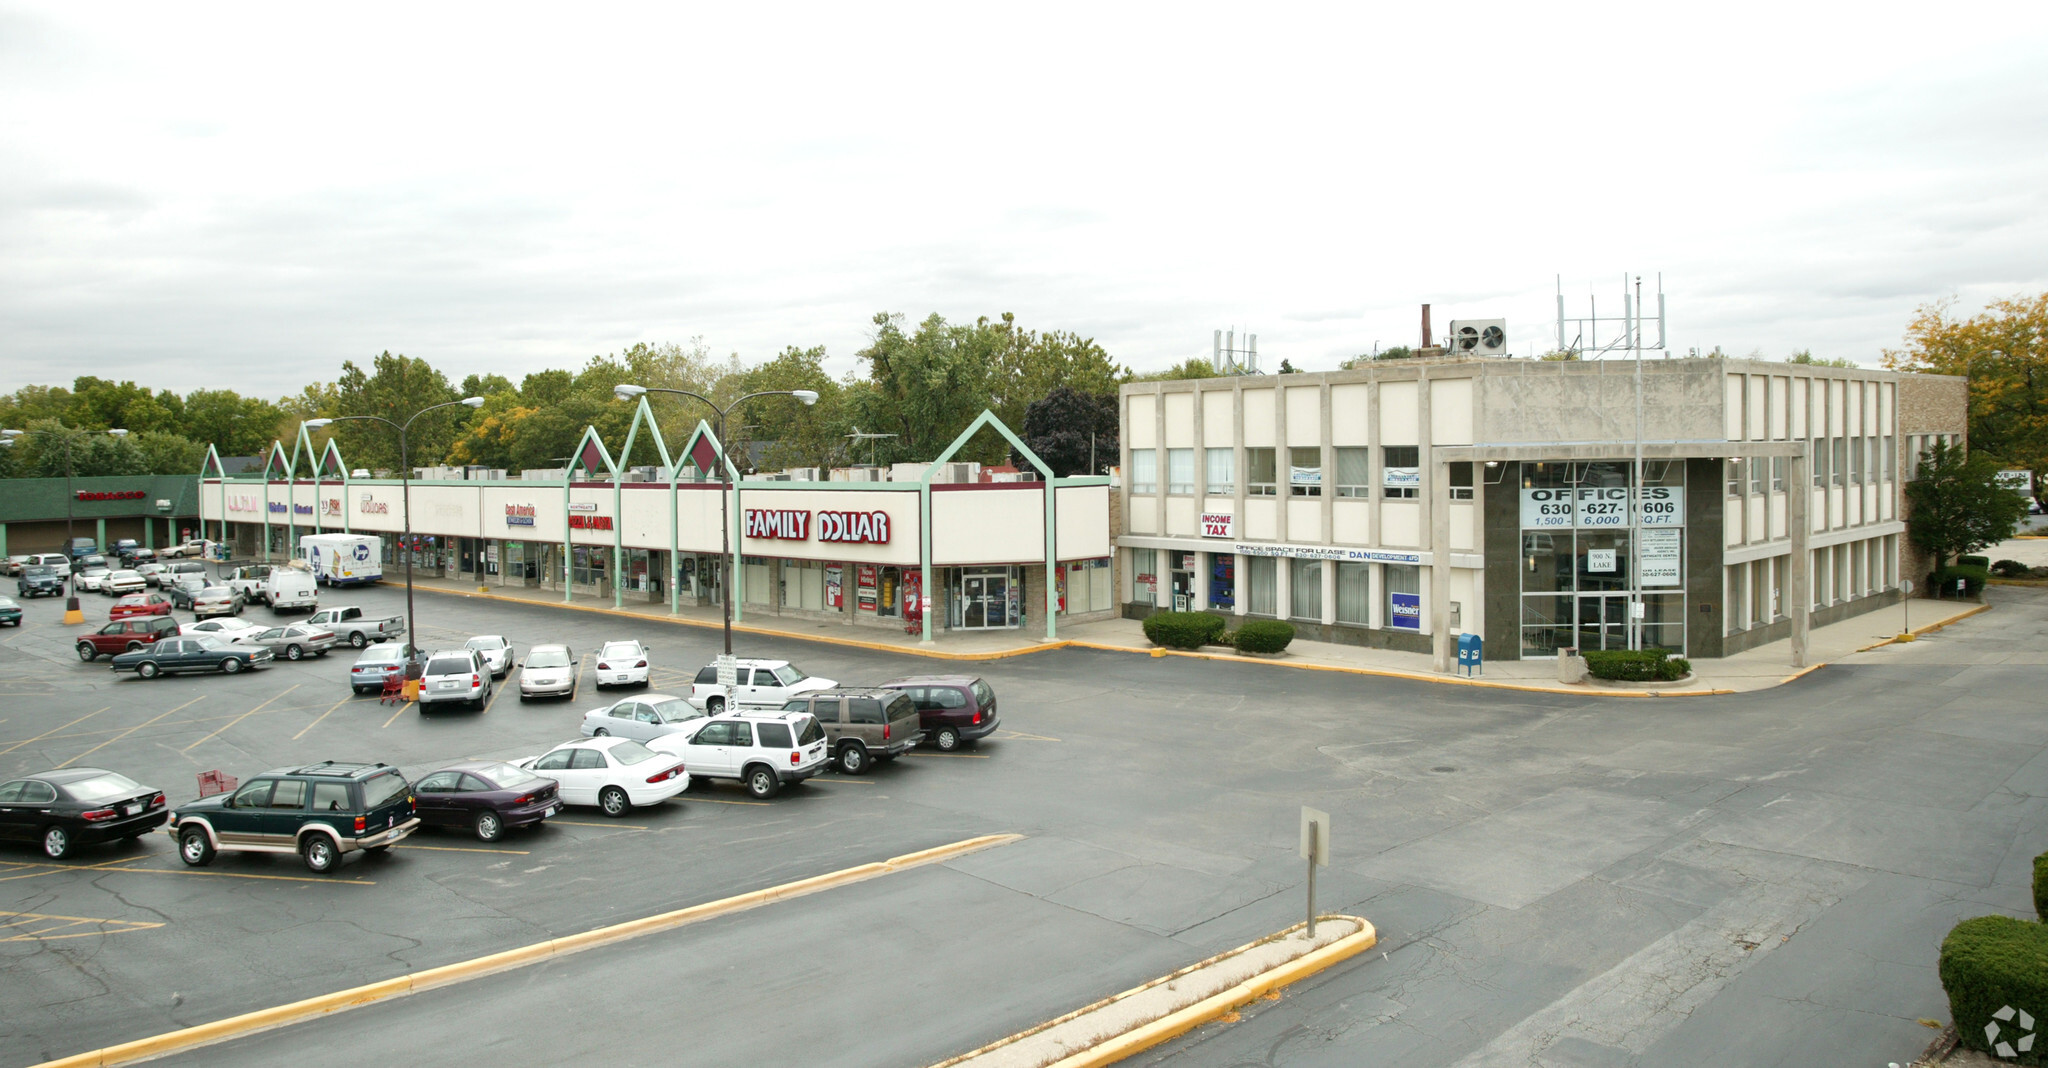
<point>862,724</point>
<point>91,560</point>
<point>151,572</point>
<point>762,750</point>
<point>957,709</point>
<point>294,642</point>
<point>485,797</point>
<point>622,664</point>
<point>182,588</point>
<point>199,547</point>
<point>549,671</point>
<point>201,652</point>
<point>321,811</point>
<point>121,583</point>
<point>61,810</point>
<point>227,628</point>
<point>80,548</point>
<point>189,567</point>
<point>455,676</point>
<point>10,613</point>
<point>13,564</point>
<point>125,636</point>
<point>59,561</point>
<point>290,589</point>
<point>90,578</point>
<point>123,547</point>
<point>38,581</point>
<point>135,554</point>
<point>140,604</point>
<point>757,684</point>
<point>615,774</point>
<point>495,651</point>
<point>247,581</point>
<point>642,718</point>
<point>215,601</point>
<point>378,663</point>
<point>357,629</point>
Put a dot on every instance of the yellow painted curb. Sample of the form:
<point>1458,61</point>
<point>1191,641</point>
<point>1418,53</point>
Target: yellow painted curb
<point>1916,632</point>
<point>276,1016</point>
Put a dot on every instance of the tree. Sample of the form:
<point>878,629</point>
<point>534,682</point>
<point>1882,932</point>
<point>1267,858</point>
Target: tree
<point>233,424</point>
<point>927,386</point>
<point>1806,356</point>
<point>1075,433</point>
<point>91,453</point>
<point>169,454</point>
<point>1287,367</point>
<point>1957,505</point>
<point>1192,368</point>
<point>396,388</point>
<point>2004,353</point>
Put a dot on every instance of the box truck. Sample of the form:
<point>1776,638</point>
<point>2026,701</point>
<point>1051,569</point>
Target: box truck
<point>343,559</point>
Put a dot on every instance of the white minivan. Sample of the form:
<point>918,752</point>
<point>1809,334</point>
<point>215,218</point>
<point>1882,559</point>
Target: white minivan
<point>290,587</point>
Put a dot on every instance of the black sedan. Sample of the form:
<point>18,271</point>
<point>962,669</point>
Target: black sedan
<point>78,806</point>
<point>192,652</point>
<point>485,797</point>
<point>183,589</point>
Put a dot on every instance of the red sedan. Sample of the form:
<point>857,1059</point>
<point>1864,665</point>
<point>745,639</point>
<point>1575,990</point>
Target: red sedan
<point>140,604</point>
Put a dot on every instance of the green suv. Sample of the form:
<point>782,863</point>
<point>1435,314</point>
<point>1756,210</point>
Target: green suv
<point>319,811</point>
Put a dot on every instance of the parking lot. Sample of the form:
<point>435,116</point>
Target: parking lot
<point>1759,880</point>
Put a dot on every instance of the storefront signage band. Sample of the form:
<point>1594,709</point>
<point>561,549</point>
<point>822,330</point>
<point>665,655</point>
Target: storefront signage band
<point>1600,507</point>
<point>112,495</point>
<point>583,506</point>
<point>372,506</point>
<point>1324,552</point>
<point>519,515</point>
<point>278,508</point>
<point>590,522</point>
<point>794,524</point>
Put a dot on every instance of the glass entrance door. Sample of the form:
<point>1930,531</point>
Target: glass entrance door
<point>1603,622</point>
<point>985,600</point>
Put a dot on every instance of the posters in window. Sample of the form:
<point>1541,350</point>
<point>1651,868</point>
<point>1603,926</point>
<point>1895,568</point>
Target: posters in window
<point>1600,508</point>
<point>1661,559</point>
<point>1406,610</point>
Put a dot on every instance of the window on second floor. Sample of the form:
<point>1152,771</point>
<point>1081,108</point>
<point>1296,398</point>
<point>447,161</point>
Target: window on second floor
<point>1354,471</point>
<point>1400,471</point>
<point>1305,472</point>
<point>1221,471</point>
<point>1259,472</point>
<point>1144,471</point>
<point>1180,471</point>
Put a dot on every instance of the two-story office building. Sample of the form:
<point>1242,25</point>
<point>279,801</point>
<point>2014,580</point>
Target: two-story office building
<point>1406,502</point>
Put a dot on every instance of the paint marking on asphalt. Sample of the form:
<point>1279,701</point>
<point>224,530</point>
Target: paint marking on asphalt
<point>324,880</point>
<point>496,692</point>
<point>51,731</point>
<point>241,717</point>
<point>716,801</point>
<point>956,756</point>
<point>614,826</point>
<point>1021,736</point>
<point>128,732</point>
<point>39,926</point>
<point>462,849</point>
<point>578,680</point>
<point>51,869</point>
<point>835,778</point>
<point>402,706</point>
<point>323,715</point>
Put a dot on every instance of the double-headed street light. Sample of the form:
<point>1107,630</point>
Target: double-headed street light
<point>808,396</point>
<point>412,638</point>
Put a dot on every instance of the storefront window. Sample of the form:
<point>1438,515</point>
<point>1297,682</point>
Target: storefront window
<point>1580,566</point>
<point>1223,581</point>
<point>1305,589</point>
<point>1085,586</point>
<point>1404,596</point>
<point>1144,576</point>
<point>1262,584</point>
<point>1354,592</point>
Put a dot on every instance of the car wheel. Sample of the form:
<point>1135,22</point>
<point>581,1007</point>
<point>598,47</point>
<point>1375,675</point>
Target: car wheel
<point>853,758</point>
<point>318,853</point>
<point>56,842</point>
<point>762,783</point>
<point>715,706</point>
<point>148,669</point>
<point>489,828</point>
<point>194,848</point>
<point>293,652</point>
<point>599,733</point>
<point>132,646</point>
<point>614,802</point>
<point>948,739</point>
<point>358,640</point>
<point>86,652</point>
<point>230,665</point>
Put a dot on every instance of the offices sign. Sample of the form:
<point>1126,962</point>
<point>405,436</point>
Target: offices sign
<point>1600,508</point>
<point>371,506</point>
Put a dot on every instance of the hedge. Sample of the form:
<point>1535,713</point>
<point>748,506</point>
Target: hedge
<point>1182,630</point>
<point>2010,569</point>
<point>1636,665</point>
<point>1973,576</point>
<point>1264,636</point>
<point>1990,963</point>
<point>1973,561</point>
<point>2041,887</point>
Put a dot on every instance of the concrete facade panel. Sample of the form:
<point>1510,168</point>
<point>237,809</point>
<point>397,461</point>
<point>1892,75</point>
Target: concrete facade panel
<point>1180,517</point>
<point>1350,414</point>
<point>1141,421</point>
<point>1401,524</point>
<point>1259,417</point>
<point>1304,415</point>
<point>1081,514</point>
<point>1180,420</point>
<point>1261,520</point>
<point>1352,520</point>
<point>1450,411</point>
<point>971,527</point>
<point>1399,417</point>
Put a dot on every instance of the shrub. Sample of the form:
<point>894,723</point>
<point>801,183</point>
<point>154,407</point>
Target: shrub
<point>1973,561</point>
<point>1973,577</point>
<point>1182,630</point>
<point>2041,887</point>
<point>2010,569</point>
<point>1264,636</point>
<point>1636,665</point>
<point>1987,964</point>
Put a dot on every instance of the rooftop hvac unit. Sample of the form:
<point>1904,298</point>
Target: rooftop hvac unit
<point>958,472</point>
<point>803,474</point>
<point>1479,337</point>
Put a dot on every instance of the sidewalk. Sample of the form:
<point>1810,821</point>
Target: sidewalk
<point>1756,669</point>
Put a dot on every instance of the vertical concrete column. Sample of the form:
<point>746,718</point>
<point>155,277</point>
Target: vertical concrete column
<point>1238,476</point>
<point>1375,500</point>
<point>1329,599</point>
<point>1436,480</point>
<point>1283,481</point>
<point>1799,588</point>
<point>1238,600</point>
<point>1159,463</point>
<point>1439,494</point>
<point>1283,587</point>
<point>3,539</point>
<point>100,529</point>
<point>1376,603</point>
<point>1329,487</point>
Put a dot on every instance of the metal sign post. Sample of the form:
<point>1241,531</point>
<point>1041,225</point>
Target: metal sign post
<point>1906,606</point>
<point>1315,848</point>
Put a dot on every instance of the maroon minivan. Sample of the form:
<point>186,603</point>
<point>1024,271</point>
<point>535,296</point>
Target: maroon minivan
<point>955,709</point>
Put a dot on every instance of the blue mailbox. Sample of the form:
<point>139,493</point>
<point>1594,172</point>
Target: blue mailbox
<point>1469,653</point>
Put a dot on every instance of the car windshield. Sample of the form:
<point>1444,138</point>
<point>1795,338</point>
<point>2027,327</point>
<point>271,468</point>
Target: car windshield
<point>507,776</point>
<point>450,665</point>
<point>485,644</point>
<point>95,571</point>
<point>620,649</point>
<point>101,787</point>
<point>383,788</point>
<point>675,710</point>
<point>39,572</point>
<point>547,658</point>
<point>789,675</point>
<point>630,753</point>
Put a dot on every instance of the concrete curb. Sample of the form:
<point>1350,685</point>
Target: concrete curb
<point>250,1023</point>
<point>1181,1021</point>
<point>1916,632</point>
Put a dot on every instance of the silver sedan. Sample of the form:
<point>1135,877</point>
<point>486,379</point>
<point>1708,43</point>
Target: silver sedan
<point>293,642</point>
<point>641,718</point>
<point>495,651</point>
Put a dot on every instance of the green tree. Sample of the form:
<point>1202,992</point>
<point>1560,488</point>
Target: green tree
<point>169,454</point>
<point>1956,505</point>
<point>2004,353</point>
<point>1075,433</point>
<point>233,424</point>
<point>928,385</point>
<point>91,453</point>
<point>1287,367</point>
<point>1806,356</point>
<point>1192,368</point>
<point>396,388</point>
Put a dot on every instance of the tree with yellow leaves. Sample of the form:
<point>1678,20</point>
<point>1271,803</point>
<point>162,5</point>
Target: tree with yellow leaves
<point>2004,353</point>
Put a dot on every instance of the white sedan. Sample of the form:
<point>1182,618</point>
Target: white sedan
<point>226,628</point>
<point>90,578</point>
<point>123,583</point>
<point>615,774</point>
<point>495,651</point>
<point>622,664</point>
<point>642,718</point>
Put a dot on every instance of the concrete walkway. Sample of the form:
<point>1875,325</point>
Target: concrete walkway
<point>1759,668</point>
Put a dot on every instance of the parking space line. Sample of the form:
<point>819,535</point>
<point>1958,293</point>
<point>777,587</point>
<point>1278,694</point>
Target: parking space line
<point>58,923</point>
<point>402,706</point>
<point>718,801</point>
<point>128,732</point>
<point>51,869</point>
<point>245,875</point>
<point>323,715</point>
<point>462,849</point>
<point>956,756</point>
<point>242,717</point>
<point>496,692</point>
<point>614,826</point>
<point>578,680</point>
<point>51,731</point>
<point>834,778</point>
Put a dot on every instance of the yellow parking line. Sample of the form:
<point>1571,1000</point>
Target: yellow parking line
<point>51,731</point>
<point>578,680</point>
<point>323,715</point>
<point>956,756</point>
<point>245,875</point>
<point>402,706</point>
<point>51,869</point>
<point>717,801</point>
<point>128,732</point>
<point>496,692</point>
<point>242,717</point>
<point>463,849</point>
<point>850,782</point>
<point>615,826</point>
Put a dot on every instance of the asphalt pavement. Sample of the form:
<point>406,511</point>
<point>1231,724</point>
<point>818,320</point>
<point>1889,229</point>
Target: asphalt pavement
<point>1760,879</point>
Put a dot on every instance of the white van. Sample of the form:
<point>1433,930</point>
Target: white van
<point>343,559</point>
<point>57,560</point>
<point>291,587</point>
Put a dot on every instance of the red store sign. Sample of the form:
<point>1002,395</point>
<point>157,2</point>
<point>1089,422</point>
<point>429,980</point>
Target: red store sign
<point>590,522</point>
<point>111,495</point>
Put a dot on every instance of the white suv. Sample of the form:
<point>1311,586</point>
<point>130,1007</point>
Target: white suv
<point>763,750</point>
<point>455,675</point>
<point>756,684</point>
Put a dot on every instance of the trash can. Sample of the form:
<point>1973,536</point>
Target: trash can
<point>1571,667</point>
<point>1470,656</point>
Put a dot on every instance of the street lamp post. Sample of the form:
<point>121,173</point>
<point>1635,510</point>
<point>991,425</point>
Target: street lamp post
<point>412,639</point>
<point>808,396</point>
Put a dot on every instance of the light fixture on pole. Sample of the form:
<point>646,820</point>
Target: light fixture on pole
<point>808,396</point>
<point>412,652</point>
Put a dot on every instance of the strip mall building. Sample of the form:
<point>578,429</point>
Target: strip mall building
<point>1404,503</point>
<point>973,555</point>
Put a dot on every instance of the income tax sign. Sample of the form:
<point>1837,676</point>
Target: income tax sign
<point>1597,507</point>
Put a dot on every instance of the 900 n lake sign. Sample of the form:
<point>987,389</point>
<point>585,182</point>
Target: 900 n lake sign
<point>1600,507</point>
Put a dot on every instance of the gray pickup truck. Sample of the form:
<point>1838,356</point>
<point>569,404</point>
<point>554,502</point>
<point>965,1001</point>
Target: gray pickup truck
<point>863,724</point>
<point>352,626</point>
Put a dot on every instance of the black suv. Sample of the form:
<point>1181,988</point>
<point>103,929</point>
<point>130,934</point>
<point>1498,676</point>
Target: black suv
<point>37,581</point>
<point>320,812</point>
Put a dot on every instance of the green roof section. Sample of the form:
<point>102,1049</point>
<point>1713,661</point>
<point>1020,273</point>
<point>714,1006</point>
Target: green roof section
<point>27,500</point>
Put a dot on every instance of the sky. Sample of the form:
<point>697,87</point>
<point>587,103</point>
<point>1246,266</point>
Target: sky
<point>245,196</point>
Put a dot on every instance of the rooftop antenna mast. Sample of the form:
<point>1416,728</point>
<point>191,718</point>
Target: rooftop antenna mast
<point>1227,359</point>
<point>858,436</point>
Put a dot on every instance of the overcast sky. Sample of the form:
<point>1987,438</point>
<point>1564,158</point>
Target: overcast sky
<point>245,196</point>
